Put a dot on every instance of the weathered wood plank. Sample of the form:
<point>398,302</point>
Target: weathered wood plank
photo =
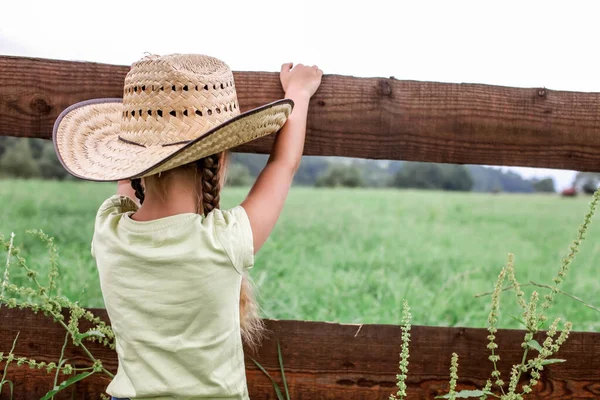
<point>374,118</point>
<point>333,361</point>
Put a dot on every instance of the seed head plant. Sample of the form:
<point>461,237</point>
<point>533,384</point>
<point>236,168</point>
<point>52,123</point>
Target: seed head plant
<point>404,354</point>
<point>38,297</point>
<point>534,317</point>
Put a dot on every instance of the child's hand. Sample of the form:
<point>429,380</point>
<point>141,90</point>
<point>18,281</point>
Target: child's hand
<point>301,79</point>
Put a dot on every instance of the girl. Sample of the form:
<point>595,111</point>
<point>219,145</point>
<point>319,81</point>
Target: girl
<point>173,265</point>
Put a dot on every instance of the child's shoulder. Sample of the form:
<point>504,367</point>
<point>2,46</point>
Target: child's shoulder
<point>227,217</point>
<point>233,230</point>
<point>117,204</point>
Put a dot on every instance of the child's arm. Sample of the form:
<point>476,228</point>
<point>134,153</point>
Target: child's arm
<point>266,198</point>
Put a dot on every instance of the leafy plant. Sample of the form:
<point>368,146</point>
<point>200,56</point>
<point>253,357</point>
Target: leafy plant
<point>44,298</point>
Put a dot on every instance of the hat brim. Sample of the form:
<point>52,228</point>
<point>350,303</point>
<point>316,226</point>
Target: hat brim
<point>86,139</point>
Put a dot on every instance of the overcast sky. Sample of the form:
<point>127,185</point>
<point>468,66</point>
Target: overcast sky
<point>522,43</point>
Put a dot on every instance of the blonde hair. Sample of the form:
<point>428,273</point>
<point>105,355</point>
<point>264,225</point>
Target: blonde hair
<point>208,174</point>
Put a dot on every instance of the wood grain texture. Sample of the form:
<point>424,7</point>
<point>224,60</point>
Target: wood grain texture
<point>331,361</point>
<point>375,118</point>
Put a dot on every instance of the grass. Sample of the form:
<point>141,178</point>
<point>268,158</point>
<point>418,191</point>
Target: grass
<point>352,255</point>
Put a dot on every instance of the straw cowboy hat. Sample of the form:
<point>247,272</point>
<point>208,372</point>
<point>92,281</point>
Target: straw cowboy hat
<point>175,110</point>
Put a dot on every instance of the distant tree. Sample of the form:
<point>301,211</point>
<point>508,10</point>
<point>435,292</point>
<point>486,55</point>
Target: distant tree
<point>49,166</point>
<point>418,176</point>
<point>433,176</point>
<point>514,183</point>
<point>586,182</point>
<point>487,179</point>
<point>37,146</point>
<point>341,175</point>
<point>545,185</point>
<point>589,186</point>
<point>456,177</point>
<point>5,143</point>
<point>376,173</point>
<point>238,175</point>
<point>254,162</point>
<point>394,166</point>
<point>17,161</point>
<point>311,168</point>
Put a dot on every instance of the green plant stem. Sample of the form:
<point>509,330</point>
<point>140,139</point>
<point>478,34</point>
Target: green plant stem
<point>91,357</point>
<point>62,356</point>
<point>275,385</point>
<point>5,280</point>
<point>12,349</point>
<point>509,287</point>
<point>57,318</point>
<point>522,365</point>
<point>588,305</point>
<point>492,327</point>
<point>85,349</point>
<point>285,386</point>
<point>496,370</point>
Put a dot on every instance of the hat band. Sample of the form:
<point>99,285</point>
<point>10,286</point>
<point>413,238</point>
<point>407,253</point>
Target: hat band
<point>144,146</point>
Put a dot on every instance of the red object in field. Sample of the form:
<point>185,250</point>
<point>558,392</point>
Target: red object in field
<point>570,192</point>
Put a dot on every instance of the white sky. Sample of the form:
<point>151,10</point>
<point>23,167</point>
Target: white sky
<point>524,43</point>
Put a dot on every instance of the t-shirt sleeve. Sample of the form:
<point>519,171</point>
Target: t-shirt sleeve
<point>235,234</point>
<point>115,204</point>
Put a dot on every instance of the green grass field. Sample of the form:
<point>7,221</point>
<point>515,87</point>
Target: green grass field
<point>353,255</point>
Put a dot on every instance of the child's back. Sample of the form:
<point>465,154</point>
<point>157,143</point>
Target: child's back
<point>171,289</point>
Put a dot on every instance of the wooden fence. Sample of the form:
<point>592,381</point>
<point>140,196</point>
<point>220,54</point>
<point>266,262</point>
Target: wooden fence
<point>328,361</point>
<point>376,118</point>
<point>355,117</point>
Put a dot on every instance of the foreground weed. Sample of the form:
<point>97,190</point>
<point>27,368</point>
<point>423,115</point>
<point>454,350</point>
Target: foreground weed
<point>276,387</point>
<point>404,354</point>
<point>534,318</point>
<point>10,358</point>
<point>38,297</point>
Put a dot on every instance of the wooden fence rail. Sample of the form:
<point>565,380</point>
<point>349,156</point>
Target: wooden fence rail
<point>375,118</point>
<point>326,361</point>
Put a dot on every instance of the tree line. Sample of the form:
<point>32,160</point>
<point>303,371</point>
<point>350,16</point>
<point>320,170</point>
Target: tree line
<point>29,158</point>
<point>346,172</point>
<point>36,158</point>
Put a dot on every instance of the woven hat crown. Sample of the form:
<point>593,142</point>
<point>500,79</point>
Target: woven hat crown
<point>176,109</point>
<point>173,99</point>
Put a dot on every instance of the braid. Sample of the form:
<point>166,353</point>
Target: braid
<point>211,186</point>
<point>136,184</point>
<point>209,171</point>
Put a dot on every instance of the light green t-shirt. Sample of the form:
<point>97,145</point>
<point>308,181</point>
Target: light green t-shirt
<point>171,288</point>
